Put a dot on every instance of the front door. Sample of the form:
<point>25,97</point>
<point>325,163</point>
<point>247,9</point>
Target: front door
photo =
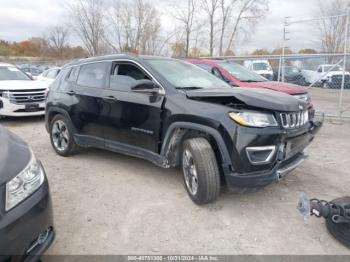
<point>133,119</point>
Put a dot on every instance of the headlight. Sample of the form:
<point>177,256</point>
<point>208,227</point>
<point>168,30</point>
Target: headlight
<point>24,184</point>
<point>5,94</point>
<point>303,97</point>
<point>254,119</point>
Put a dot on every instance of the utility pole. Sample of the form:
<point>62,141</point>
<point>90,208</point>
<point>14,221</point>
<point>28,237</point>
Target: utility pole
<point>282,59</point>
<point>344,62</point>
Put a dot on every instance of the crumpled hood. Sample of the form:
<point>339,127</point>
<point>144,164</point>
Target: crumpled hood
<point>22,84</point>
<point>14,155</point>
<point>288,88</point>
<point>264,99</point>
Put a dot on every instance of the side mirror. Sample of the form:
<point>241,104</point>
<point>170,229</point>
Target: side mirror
<point>146,86</point>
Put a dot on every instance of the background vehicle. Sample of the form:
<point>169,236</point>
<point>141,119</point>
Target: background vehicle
<point>19,94</point>
<point>292,74</point>
<point>26,220</point>
<point>31,70</point>
<point>173,113</point>
<point>49,75</point>
<point>237,75</point>
<point>332,79</point>
<point>261,67</point>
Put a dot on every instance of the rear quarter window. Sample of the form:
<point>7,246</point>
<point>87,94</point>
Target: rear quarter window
<point>60,82</point>
<point>73,74</point>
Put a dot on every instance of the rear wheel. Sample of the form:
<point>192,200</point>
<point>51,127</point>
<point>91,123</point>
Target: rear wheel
<point>200,171</point>
<point>61,136</point>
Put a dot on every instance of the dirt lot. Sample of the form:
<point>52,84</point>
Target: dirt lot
<point>106,203</point>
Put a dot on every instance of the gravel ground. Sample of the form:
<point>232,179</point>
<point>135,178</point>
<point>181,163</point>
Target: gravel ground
<point>107,203</point>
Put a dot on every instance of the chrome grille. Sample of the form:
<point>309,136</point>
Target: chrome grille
<point>295,119</point>
<point>27,96</point>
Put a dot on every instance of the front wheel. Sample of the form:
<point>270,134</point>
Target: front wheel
<point>200,171</point>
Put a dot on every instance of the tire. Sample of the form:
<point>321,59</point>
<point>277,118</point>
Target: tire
<point>341,232</point>
<point>200,171</point>
<point>62,136</point>
<point>325,85</point>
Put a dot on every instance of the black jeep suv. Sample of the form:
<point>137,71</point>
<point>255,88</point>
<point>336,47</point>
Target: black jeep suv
<point>173,113</point>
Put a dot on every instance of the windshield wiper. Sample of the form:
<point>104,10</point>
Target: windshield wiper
<point>251,81</point>
<point>189,88</point>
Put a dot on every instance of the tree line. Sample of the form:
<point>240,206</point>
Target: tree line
<point>198,28</point>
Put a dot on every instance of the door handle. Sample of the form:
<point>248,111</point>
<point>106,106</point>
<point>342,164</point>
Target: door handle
<point>110,98</point>
<point>71,93</point>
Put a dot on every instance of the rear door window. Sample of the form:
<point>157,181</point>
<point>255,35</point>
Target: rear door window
<point>93,75</point>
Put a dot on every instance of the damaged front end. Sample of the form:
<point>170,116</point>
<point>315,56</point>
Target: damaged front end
<point>268,134</point>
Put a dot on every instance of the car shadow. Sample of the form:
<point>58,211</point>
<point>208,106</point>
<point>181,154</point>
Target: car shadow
<point>15,121</point>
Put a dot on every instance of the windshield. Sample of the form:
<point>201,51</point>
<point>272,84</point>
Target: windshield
<point>241,73</point>
<point>12,73</point>
<point>261,66</point>
<point>336,68</point>
<point>183,75</point>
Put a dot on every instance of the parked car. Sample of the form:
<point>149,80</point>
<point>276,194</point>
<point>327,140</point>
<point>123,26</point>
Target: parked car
<point>26,220</point>
<point>328,76</point>
<point>19,94</point>
<point>261,67</point>
<point>45,67</point>
<point>49,75</point>
<point>173,113</point>
<point>31,70</point>
<point>292,74</point>
<point>237,75</point>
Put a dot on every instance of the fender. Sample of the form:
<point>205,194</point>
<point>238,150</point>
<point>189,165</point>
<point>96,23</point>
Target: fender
<point>171,138</point>
<point>59,110</point>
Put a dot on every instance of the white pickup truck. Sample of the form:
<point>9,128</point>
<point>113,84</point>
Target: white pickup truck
<point>327,76</point>
<point>261,67</point>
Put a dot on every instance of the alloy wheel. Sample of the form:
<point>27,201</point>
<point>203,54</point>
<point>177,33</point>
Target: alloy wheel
<point>190,172</point>
<point>60,135</point>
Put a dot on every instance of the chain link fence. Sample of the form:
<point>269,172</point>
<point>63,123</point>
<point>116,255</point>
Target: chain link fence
<point>35,61</point>
<point>325,75</point>
<point>322,75</point>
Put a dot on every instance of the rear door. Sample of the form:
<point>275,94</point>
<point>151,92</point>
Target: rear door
<point>90,85</point>
<point>133,119</point>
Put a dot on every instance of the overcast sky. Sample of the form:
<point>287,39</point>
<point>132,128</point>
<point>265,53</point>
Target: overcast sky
<point>20,20</point>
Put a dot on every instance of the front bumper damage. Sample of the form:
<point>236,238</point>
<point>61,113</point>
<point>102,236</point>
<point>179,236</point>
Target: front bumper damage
<point>289,155</point>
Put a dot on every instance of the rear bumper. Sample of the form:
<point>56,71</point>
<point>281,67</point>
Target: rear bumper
<point>21,227</point>
<point>10,109</point>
